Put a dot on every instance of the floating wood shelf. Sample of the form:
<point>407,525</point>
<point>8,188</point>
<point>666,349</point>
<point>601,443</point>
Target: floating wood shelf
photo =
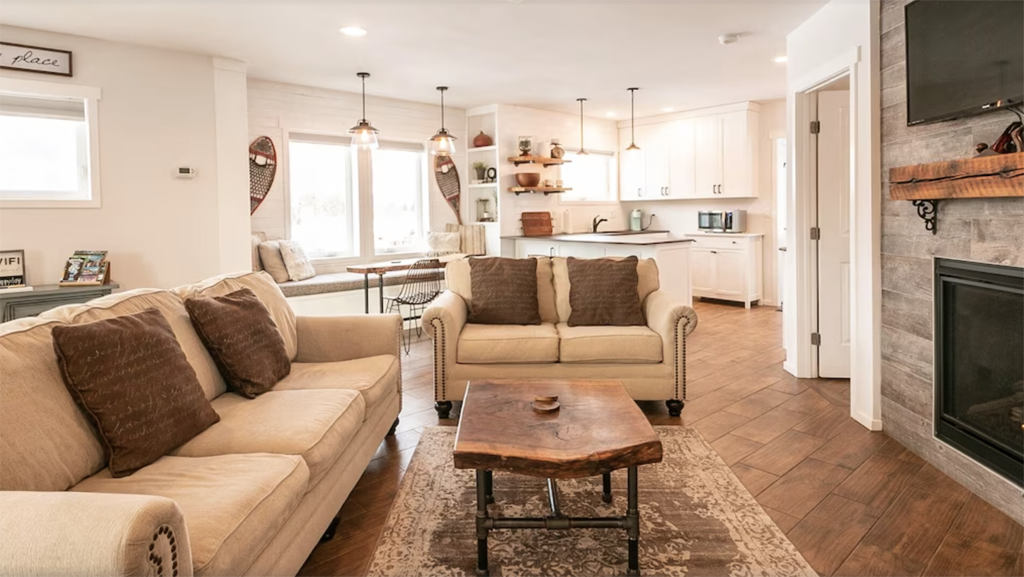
<point>998,175</point>
<point>545,160</point>
<point>533,189</point>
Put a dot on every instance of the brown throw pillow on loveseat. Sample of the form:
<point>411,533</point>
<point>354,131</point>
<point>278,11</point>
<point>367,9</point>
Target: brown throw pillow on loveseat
<point>243,340</point>
<point>504,291</point>
<point>131,377</point>
<point>604,291</point>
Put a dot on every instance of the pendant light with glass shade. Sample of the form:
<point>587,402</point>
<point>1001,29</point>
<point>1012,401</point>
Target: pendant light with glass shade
<point>582,150</point>
<point>632,122</point>
<point>364,135</point>
<point>442,143</point>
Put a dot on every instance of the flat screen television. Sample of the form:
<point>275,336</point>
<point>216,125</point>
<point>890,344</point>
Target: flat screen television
<point>963,57</point>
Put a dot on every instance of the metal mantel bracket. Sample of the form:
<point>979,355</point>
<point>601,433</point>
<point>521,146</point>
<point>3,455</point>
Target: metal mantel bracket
<point>927,211</point>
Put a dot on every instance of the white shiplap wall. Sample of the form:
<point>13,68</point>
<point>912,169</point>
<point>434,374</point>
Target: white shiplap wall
<point>276,108</point>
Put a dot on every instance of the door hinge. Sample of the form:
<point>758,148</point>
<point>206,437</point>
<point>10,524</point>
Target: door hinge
<point>815,127</point>
<point>815,339</point>
<point>815,233</point>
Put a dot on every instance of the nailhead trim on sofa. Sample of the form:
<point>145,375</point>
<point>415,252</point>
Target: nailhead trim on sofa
<point>439,353</point>
<point>156,561</point>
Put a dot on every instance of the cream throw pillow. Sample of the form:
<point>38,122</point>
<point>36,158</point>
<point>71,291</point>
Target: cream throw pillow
<point>270,256</point>
<point>443,243</point>
<point>295,261</point>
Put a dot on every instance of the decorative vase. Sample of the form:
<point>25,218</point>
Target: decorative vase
<point>481,172</point>
<point>481,140</point>
<point>525,145</point>
<point>557,151</point>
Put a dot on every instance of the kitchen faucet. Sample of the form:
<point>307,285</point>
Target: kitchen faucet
<point>597,222</point>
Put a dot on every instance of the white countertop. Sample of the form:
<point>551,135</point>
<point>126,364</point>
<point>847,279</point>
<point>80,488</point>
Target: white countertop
<point>723,234</point>
<point>636,239</point>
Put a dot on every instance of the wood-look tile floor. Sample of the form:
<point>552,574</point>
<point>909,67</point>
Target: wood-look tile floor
<point>852,501</point>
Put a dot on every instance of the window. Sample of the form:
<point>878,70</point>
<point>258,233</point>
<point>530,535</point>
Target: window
<point>398,187</point>
<point>323,207</point>
<point>590,176</point>
<point>48,155</point>
<point>336,214</point>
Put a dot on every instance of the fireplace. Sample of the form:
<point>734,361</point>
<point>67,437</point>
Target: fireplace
<point>979,362</point>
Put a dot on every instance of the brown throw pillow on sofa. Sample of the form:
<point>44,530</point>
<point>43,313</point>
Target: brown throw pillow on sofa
<point>504,291</point>
<point>243,340</point>
<point>604,292</point>
<point>131,377</point>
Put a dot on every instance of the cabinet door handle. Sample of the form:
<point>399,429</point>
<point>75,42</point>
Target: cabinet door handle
<point>551,251</point>
<point>714,252</point>
<point>666,191</point>
<point>638,192</point>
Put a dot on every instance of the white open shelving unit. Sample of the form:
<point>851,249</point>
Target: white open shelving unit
<point>484,118</point>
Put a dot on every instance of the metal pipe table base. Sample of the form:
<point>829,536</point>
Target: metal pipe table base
<point>556,522</point>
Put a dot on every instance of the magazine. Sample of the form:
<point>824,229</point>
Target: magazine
<point>86,267</point>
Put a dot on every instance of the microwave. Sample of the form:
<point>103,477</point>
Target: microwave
<point>722,220</point>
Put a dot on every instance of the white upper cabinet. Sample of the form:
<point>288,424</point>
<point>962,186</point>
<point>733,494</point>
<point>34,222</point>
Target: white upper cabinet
<point>713,155</point>
<point>632,171</point>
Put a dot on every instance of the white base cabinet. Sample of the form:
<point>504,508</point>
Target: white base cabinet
<point>727,267</point>
<point>673,259</point>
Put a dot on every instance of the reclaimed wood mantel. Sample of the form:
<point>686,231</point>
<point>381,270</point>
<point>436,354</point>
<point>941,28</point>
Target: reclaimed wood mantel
<point>981,177</point>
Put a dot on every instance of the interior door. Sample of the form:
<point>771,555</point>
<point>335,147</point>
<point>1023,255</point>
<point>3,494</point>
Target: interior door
<point>631,169</point>
<point>708,157</point>
<point>735,180</point>
<point>682,177</point>
<point>702,270</point>
<point>834,245</point>
<point>731,272</point>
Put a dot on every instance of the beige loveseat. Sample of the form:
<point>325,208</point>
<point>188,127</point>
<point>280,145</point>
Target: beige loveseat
<point>250,495</point>
<point>649,360</point>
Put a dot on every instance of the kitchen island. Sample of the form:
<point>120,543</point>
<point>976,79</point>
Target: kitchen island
<point>671,254</point>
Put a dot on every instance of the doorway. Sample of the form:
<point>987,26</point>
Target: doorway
<point>831,134</point>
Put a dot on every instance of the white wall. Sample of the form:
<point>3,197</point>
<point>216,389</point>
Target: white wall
<point>275,108</point>
<point>680,217</point>
<point>157,112</point>
<point>842,35</point>
<point>544,126</point>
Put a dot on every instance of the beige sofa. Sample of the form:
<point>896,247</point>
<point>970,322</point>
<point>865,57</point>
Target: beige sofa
<point>649,360</point>
<point>251,495</point>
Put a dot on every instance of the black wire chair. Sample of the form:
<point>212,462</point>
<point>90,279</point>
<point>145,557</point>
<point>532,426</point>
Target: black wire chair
<point>423,284</point>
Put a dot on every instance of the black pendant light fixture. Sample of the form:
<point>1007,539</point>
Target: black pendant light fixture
<point>364,135</point>
<point>632,121</point>
<point>442,143</point>
<point>582,150</point>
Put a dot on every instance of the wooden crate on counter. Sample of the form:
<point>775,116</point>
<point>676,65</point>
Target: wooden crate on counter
<point>537,224</point>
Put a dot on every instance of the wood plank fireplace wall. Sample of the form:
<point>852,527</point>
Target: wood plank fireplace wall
<point>986,230</point>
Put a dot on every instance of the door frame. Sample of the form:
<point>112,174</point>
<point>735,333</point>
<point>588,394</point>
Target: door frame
<point>865,257</point>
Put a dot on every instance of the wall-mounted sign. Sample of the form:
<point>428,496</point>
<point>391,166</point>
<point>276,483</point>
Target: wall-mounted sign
<point>12,268</point>
<point>35,59</point>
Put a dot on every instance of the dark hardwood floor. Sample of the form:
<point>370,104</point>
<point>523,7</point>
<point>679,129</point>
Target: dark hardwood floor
<point>852,501</point>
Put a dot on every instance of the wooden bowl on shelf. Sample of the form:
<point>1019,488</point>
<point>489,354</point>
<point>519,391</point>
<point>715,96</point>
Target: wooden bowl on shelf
<point>528,179</point>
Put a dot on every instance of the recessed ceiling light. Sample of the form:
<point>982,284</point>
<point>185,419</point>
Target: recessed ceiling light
<point>780,59</point>
<point>609,113</point>
<point>353,31</point>
<point>669,109</point>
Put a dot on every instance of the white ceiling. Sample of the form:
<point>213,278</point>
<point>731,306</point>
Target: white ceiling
<point>540,53</point>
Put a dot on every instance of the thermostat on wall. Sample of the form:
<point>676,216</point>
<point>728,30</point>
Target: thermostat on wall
<point>185,172</point>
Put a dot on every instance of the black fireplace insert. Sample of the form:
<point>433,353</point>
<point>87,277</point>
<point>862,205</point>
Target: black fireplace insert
<point>979,362</point>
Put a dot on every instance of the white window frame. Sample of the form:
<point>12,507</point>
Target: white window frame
<point>613,185</point>
<point>423,200</point>
<point>91,97</point>
<point>362,195</point>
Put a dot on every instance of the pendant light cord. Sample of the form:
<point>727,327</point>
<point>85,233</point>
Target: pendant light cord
<point>442,109</point>
<point>582,100</point>
<point>632,116</point>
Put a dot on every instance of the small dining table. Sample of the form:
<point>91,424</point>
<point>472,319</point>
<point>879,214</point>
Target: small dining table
<point>382,268</point>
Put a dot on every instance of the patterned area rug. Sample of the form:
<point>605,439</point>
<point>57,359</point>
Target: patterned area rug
<point>695,519</point>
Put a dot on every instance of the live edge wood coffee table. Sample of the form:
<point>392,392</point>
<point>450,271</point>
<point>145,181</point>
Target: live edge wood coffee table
<point>597,430</point>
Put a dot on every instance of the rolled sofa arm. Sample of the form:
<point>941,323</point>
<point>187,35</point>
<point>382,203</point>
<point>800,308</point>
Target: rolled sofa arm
<point>346,337</point>
<point>443,321</point>
<point>672,321</point>
<point>68,533</point>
